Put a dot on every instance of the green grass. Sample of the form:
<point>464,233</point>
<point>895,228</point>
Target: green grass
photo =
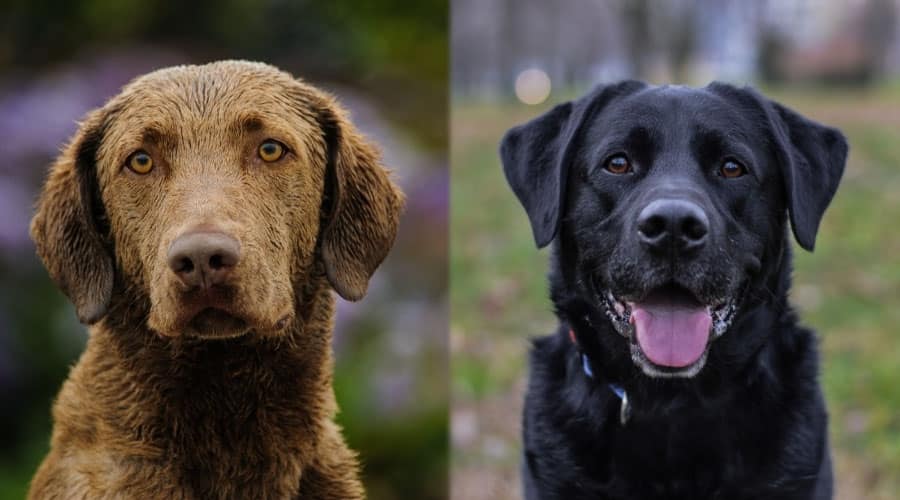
<point>849,290</point>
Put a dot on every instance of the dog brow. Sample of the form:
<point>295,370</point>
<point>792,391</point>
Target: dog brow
<point>711,143</point>
<point>641,138</point>
<point>154,134</point>
<point>250,123</point>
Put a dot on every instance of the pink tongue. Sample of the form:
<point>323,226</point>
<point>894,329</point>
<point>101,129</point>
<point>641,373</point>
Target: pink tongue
<point>671,335</point>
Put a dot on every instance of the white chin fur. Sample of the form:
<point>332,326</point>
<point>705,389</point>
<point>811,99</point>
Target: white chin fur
<point>654,371</point>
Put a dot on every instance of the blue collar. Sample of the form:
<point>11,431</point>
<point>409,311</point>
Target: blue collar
<point>615,388</point>
<point>618,390</point>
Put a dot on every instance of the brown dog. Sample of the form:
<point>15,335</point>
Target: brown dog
<point>198,221</point>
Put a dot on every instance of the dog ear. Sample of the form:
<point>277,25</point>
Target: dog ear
<point>536,156</point>
<point>362,206</point>
<point>813,157</point>
<point>67,225</point>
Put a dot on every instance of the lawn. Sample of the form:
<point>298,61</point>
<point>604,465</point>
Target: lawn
<point>849,290</point>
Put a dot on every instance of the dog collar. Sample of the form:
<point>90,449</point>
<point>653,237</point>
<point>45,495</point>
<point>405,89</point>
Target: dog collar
<point>619,391</point>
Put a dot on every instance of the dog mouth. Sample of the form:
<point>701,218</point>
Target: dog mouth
<point>219,314</point>
<point>212,322</point>
<point>670,330</point>
<point>210,314</point>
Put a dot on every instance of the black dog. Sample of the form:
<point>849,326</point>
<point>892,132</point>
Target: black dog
<point>678,369</point>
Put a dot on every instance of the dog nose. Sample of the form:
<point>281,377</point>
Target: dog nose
<point>670,224</point>
<point>203,258</point>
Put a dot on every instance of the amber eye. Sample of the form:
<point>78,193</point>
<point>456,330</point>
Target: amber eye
<point>271,151</point>
<point>618,164</point>
<point>140,162</point>
<point>732,169</point>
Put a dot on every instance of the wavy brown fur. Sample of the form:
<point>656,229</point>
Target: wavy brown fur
<point>150,411</point>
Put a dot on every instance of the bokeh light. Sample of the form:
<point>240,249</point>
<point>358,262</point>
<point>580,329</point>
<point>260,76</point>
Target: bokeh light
<point>533,86</point>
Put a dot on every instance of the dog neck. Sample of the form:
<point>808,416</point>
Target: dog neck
<point>259,404</point>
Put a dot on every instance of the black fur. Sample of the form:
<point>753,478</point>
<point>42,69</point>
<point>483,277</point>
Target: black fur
<point>752,422</point>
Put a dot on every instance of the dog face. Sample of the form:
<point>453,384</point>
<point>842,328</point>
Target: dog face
<point>668,205</point>
<point>213,192</point>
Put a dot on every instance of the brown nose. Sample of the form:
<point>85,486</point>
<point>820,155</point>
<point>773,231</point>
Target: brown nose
<point>203,258</point>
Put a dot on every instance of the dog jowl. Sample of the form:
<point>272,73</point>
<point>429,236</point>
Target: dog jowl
<point>668,209</point>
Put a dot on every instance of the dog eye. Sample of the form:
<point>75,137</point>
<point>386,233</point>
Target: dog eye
<point>271,150</point>
<point>732,169</point>
<point>618,164</point>
<point>140,162</point>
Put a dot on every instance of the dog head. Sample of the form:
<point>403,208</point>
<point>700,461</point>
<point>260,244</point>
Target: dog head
<point>668,206</point>
<point>214,193</point>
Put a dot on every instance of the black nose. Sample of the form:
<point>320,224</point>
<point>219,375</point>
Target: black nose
<point>203,258</point>
<point>673,225</point>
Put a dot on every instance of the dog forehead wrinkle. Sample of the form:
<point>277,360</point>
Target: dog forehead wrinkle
<point>204,93</point>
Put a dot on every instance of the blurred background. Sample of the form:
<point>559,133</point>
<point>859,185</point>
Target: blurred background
<point>836,62</point>
<point>386,60</point>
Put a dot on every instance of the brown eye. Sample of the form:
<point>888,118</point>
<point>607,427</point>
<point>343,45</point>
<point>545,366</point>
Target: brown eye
<point>618,164</point>
<point>270,151</point>
<point>732,169</point>
<point>140,162</point>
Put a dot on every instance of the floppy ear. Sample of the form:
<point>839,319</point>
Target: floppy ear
<point>536,156</point>
<point>364,206</point>
<point>813,157</point>
<point>66,228</point>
